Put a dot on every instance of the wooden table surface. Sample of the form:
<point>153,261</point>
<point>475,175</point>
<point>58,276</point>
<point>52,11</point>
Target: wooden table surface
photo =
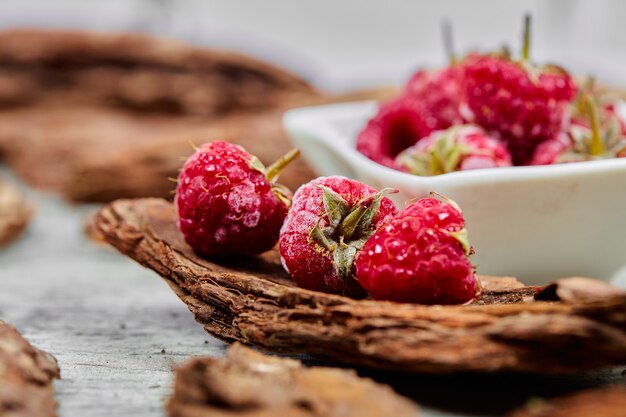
<point>117,329</point>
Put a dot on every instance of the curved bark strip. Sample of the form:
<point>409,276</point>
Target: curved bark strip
<point>26,375</point>
<point>253,301</point>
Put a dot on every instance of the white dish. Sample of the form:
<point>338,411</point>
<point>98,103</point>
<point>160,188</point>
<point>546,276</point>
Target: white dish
<point>535,223</point>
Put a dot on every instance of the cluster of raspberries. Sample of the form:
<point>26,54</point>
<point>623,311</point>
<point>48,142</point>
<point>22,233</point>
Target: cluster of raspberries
<point>489,110</point>
<point>335,234</point>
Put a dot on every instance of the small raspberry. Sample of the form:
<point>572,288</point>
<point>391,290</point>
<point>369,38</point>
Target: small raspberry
<point>458,148</point>
<point>420,256</point>
<point>586,139</point>
<point>227,202</point>
<point>397,125</point>
<point>327,225</point>
<point>441,94</point>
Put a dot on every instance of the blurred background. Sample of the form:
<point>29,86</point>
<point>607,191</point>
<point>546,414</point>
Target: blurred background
<point>351,44</point>
<point>114,326</point>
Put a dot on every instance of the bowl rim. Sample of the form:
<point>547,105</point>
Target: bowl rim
<point>317,122</point>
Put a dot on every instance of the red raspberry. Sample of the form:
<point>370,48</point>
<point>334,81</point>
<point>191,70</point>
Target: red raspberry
<point>397,125</point>
<point>227,203</point>
<point>585,140</point>
<point>420,256</point>
<point>458,148</point>
<point>524,105</point>
<point>328,223</point>
<point>440,92</point>
<point>550,151</point>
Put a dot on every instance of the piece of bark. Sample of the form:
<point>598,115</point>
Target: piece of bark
<point>599,402</point>
<point>26,375</point>
<point>577,289</point>
<point>247,383</point>
<point>254,301</point>
<point>138,72</point>
<point>98,117</point>
<point>15,213</point>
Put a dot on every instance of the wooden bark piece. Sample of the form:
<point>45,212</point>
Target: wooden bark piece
<point>26,376</point>
<point>253,301</point>
<point>247,383</point>
<point>15,213</point>
<point>98,117</point>
<point>137,72</point>
<point>600,402</point>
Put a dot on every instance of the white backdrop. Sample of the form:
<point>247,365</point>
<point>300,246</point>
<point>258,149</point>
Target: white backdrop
<point>351,43</point>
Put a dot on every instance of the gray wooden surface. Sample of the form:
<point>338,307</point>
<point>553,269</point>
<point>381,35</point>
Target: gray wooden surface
<point>117,329</point>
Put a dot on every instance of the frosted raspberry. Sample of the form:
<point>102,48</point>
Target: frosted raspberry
<point>227,202</point>
<point>455,149</point>
<point>327,225</point>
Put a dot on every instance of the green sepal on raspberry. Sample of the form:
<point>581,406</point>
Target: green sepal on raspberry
<point>458,148</point>
<point>328,223</point>
<point>348,228</point>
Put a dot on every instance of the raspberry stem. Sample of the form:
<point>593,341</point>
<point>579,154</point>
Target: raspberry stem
<point>448,41</point>
<point>526,42</point>
<point>596,147</point>
<point>274,170</point>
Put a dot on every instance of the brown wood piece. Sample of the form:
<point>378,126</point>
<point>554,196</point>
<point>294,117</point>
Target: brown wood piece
<point>253,301</point>
<point>247,383</point>
<point>26,375</point>
<point>15,213</point>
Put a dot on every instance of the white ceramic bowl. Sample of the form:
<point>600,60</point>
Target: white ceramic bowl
<point>535,223</point>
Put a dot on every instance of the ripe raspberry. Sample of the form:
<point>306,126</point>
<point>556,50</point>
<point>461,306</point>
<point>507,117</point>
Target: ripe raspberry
<point>420,256</point>
<point>227,202</point>
<point>440,93</point>
<point>458,148</point>
<point>328,223</point>
<point>396,126</point>
<point>524,105</point>
<point>585,140</point>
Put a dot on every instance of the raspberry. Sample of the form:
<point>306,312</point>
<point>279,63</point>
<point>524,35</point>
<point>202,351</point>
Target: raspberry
<point>440,93</point>
<point>455,149</point>
<point>227,202</point>
<point>396,126</point>
<point>550,151</point>
<point>327,225</point>
<point>420,256</point>
<point>525,106</point>
<point>586,139</point>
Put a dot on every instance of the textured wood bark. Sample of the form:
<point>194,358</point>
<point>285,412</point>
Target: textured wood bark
<point>26,376</point>
<point>138,72</point>
<point>98,117</point>
<point>599,402</point>
<point>247,383</point>
<point>253,301</point>
<point>15,213</point>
